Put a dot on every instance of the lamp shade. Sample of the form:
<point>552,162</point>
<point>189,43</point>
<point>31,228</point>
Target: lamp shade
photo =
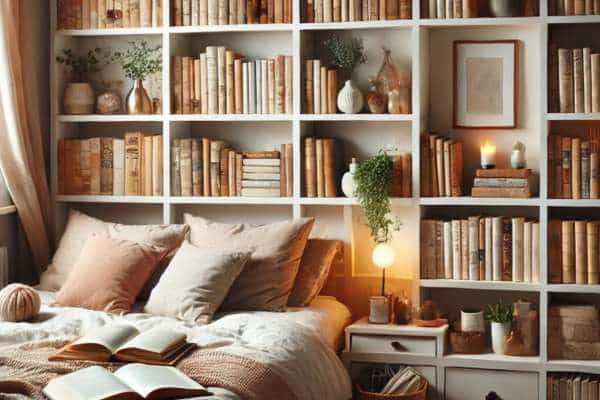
<point>383,255</point>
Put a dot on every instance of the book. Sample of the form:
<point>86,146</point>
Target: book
<point>592,252</point>
<point>568,251</point>
<point>157,165</point>
<point>575,168</point>
<point>203,83</point>
<point>580,252</point>
<point>566,149</point>
<point>464,250</point>
<point>507,242</point>
<point>565,74</point>
<point>197,168</point>
<point>332,91</point>
<point>504,173</point>
<point>474,248</point>
<point>185,166</point>
<point>129,381</point>
<point>231,176</point>
<point>320,184</point>
<point>428,249</point>
<point>527,248</point>
<point>317,86</point>
<point>535,252</point>
<point>288,84</point>
<point>147,172</point>
<point>118,186</point>
<point>447,242</point>
<point>456,250</point>
<point>176,77</point>
<point>260,192</point>
<point>175,168</point>
<point>310,167</point>
<point>585,169</point>
<point>502,182</point>
<point>133,163</point>
<point>595,70</point>
<point>95,165</point>
<point>456,168</point>
<point>497,241</point>
<point>237,79</point>
<point>555,251</point>
<point>489,249</point>
<point>578,92</point>
<point>215,167</point>
<point>206,182</point>
<point>224,171</point>
<point>308,105</point>
<point>289,170</point>
<point>501,192</point>
<point>446,156</point>
<point>587,80</point>
<point>439,156</point>
<point>221,75</point>
<point>212,80</point>
<point>229,82</point>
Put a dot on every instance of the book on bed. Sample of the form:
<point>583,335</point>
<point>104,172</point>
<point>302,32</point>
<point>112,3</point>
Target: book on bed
<point>125,343</point>
<point>133,381</point>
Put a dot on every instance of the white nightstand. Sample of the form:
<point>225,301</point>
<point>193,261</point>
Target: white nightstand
<point>421,348</point>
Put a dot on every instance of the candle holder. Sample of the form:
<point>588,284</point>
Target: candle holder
<point>488,156</point>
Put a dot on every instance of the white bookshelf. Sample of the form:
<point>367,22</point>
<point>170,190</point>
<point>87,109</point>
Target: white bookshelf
<point>419,44</point>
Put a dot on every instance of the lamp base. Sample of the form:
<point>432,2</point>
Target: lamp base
<point>379,310</point>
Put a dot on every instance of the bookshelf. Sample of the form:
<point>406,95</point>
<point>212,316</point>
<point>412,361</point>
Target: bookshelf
<point>423,45</point>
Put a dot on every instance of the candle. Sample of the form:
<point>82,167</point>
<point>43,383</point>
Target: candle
<point>488,155</point>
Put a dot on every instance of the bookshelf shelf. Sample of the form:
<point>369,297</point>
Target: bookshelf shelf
<point>573,117</point>
<point>110,32</point>
<point>581,366</point>
<point>230,28</point>
<point>357,117</point>
<point>231,200</point>
<point>110,118</point>
<point>573,288</point>
<point>461,22</point>
<point>110,199</point>
<point>580,19</point>
<point>399,23</point>
<point>477,201</point>
<point>573,203</point>
<point>480,285</point>
<point>230,117</point>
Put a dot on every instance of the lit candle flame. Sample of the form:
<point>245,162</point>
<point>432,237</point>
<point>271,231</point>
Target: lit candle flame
<point>488,148</point>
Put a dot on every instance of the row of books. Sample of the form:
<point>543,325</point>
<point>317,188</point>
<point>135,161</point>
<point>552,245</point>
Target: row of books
<point>231,12</point>
<point>574,166</point>
<point>574,7</point>
<point>101,14</point>
<point>222,82</point>
<point>206,167</point>
<point>320,88</point>
<point>132,166</point>
<point>441,166</point>
<point>356,10</point>
<point>578,80</point>
<point>445,9</point>
<point>574,250</point>
<point>563,386</point>
<point>481,248</point>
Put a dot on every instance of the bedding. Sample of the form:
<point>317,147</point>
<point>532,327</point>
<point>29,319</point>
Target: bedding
<point>297,345</point>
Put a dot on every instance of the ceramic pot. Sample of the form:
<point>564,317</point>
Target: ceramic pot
<point>517,159</point>
<point>79,98</point>
<point>348,183</point>
<point>110,101</point>
<point>472,321</point>
<point>379,310</point>
<point>505,8</point>
<point>350,99</point>
<point>499,332</point>
<point>138,101</point>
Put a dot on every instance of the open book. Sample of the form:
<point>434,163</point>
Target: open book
<point>125,343</point>
<point>133,381</point>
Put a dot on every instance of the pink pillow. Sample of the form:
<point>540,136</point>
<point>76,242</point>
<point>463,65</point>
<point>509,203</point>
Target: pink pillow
<point>109,274</point>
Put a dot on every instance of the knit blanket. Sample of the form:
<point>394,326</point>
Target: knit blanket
<point>25,371</point>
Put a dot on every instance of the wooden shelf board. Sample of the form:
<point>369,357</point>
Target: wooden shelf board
<point>356,117</point>
<point>573,203</point>
<point>231,28</point>
<point>111,32</point>
<point>230,117</point>
<point>493,361</point>
<point>579,19</point>
<point>573,116</point>
<point>110,118</point>
<point>479,285</point>
<point>581,366</point>
<point>231,200</point>
<point>573,288</point>
<point>477,201</point>
<point>432,22</point>
<point>5,210</point>
<point>397,23</point>
<point>110,199</point>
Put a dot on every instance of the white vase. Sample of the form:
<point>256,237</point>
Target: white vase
<point>350,99</point>
<point>499,332</point>
<point>517,159</point>
<point>79,98</point>
<point>348,183</point>
<point>471,321</point>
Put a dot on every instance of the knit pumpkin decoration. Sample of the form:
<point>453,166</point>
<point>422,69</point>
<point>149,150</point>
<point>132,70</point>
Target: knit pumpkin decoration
<point>19,302</point>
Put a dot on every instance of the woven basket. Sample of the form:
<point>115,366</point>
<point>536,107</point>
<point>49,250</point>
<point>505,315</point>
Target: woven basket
<point>420,394</point>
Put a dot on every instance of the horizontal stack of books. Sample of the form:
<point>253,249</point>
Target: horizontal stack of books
<point>574,166</point>
<point>205,167</point>
<point>576,73</point>
<point>231,12</point>
<point>132,166</point>
<point>441,166</point>
<point>512,183</point>
<point>574,7</point>
<point>356,10</point>
<point>574,334</point>
<point>481,248</point>
<point>320,88</point>
<point>573,251</point>
<point>101,14</point>
<point>221,82</point>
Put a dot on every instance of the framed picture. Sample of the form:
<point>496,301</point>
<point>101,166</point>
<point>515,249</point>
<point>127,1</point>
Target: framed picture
<point>485,84</point>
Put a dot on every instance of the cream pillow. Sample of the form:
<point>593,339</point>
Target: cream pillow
<point>267,279</point>
<point>195,283</point>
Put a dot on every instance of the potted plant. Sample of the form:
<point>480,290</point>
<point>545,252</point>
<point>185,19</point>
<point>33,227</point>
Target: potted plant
<point>79,93</point>
<point>138,61</point>
<point>500,316</point>
<point>346,55</point>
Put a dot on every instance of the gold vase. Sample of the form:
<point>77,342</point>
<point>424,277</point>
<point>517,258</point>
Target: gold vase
<point>138,101</point>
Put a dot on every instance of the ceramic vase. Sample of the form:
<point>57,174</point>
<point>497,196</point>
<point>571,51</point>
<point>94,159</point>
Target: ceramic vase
<point>379,310</point>
<point>138,101</point>
<point>348,183</point>
<point>499,332</point>
<point>350,99</point>
<point>505,8</point>
<point>472,321</point>
<point>79,98</point>
<point>110,101</point>
<point>517,159</point>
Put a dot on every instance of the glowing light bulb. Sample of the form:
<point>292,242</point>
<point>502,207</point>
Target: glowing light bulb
<point>383,255</point>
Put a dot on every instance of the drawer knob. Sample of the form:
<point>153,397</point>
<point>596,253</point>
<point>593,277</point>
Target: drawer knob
<point>398,346</point>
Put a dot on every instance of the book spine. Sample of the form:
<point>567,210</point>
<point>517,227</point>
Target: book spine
<point>85,14</point>
<point>592,253</point>
<point>238,83</point>
<point>206,154</point>
<point>238,174</point>
<point>133,164</point>
<point>280,85</point>
<point>568,250</point>
<point>580,253</point>
<point>177,98</point>
<point>323,91</point>
<point>195,12</point>
<point>569,7</point>
<point>134,13</point>
<point>62,165</point>
<point>458,7</point>
<point>456,168</point>
<point>497,241</point>
<point>439,154</point>
<point>520,193</point>
<point>329,173</point>
<point>447,241</point>
<point>310,167</point>
<point>481,252</point>
<point>203,83</point>
<point>147,171</point>
<point>332,91</point>
<point>317,86</point>
<point>396,183</point>
<point>565,73</point>
<point>233,12</point>
<point>221,80</point>
<point>565,155</point>
<point>535,252</point>
<point>215,167</point>
<point>262,184</point>
<point>196,98</point>
<point>439,245</point>
<point>241,17</point>
<point>553,79</point>
<point>488,250</point>
<point>197,165</point>
<point>251,88</point>
<point>327,10</point>
<point>231,174</point>
<point>392,9</point>
<point>507,242</point>
<point>95,166</point>
<point>501,182</point>
<point>224,172</point>
<point>595,68</point>
<point>223,12</point>
<point>428,249</point>
<point>585,169</point>
<point>406,177</point>
<point>185,84</point>
<point>118,167</point>
<point>245,91</point>
<point>83,181</point>
<point>308,87</point>
<point>271,85</point>
<point>282,168</point>
<point>289,170</point>
<point>456,250</point>
<point>213,12</point>
<point>576,168</point>
<point>425,165</point>
<point>203,11</point>
<point>212,79</point>
<point>594,175</point>
<point>185,166</point>
<point>464,248</point>
<point>258,88</point>
<point>432,8</point>
<point>106,165</point>
<point>446,155</point>
<point>278,11</point>
<point>527,242</point>
<point>555,257</point>
<point>345,11</point>
<point>145,13</point>
<point>288,84</point>
<point>433,166</point>
<point>320,172</point>
<point>157,165</point>
<point>229,83</point>
<point>449,9</point>
<point>264,86</point>
<point>579,7</point>
<point>587,80</point>
<point>578,92</point>
<point>474,248</point>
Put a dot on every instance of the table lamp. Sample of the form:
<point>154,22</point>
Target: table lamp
<point>383,257</point>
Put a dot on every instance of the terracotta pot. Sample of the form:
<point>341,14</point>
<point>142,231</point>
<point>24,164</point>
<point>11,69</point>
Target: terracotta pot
<point>138,101</point>
<point>79,98</point>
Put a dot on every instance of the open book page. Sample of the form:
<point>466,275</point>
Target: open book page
<point>149,379</point>
<point>109,336</point>
<point>155,340</point>
<point>92,383</point>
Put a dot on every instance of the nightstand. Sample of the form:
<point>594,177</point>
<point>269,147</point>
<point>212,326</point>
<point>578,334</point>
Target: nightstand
<point>371,344</point>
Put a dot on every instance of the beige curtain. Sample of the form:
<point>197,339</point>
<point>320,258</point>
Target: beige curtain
<point>21,141</point>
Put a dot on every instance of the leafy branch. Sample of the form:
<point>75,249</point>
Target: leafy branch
<point>82,65</point>
<point>346,54</point>
<point>139,60</point>
<point>499,312</point>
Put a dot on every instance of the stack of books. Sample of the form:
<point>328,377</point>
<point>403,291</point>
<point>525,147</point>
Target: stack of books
<point>573,251</point>
<point>574,72</point>
<point>320,88</point>
<point>101,14</point>
<point>132,166</point>
<point>574,334</point>
<point>573,7</point>
<point>230,12</point>
<point>356,10</point>
<point>221,82</point>
<point>205,167</point>
<point>512,183</point>
<point>481,248</point>
<point>574,166</point>
<point>441,166</point>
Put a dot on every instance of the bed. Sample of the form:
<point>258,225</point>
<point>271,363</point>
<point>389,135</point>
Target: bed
<point>300,345</point>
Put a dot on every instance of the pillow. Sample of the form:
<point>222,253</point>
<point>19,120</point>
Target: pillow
<point>267,279</point>
<point>80,227</point>
<point>195,283</point>
<point>109,274</point>
<point>314,270</point>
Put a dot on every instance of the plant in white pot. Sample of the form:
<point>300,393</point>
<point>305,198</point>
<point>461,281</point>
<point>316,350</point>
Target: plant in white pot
<point>500,317</point>
<point>79,96</point>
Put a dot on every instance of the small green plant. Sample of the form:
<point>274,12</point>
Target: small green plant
<point>499,312</point>
<point>81,65</point>
<point>139,60</point>
<point>346,54</point>
<point>373,181</point>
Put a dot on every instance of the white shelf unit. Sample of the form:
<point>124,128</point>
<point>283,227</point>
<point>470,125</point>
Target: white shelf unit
<point>423,45</point>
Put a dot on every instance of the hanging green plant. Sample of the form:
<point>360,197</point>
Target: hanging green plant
<point>373,182</point>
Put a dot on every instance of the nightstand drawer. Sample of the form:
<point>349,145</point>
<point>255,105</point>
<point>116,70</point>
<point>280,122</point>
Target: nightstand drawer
<point>507,384</point>
<point>383,344</point>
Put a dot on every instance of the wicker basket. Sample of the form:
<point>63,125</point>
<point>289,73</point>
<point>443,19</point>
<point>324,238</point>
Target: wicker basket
<point>420,394</point>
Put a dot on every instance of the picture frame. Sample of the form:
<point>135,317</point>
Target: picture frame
<point>485,84</point>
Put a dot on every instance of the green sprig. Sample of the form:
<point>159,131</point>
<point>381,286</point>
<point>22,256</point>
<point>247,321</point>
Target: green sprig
<point>139,60</point>
<point>499,312</point>
<point>346,54</point>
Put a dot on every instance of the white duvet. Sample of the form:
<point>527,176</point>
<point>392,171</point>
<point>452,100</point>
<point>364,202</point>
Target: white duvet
<point>298,344</point>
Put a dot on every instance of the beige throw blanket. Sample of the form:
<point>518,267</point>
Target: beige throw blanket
<point>25,370</point>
